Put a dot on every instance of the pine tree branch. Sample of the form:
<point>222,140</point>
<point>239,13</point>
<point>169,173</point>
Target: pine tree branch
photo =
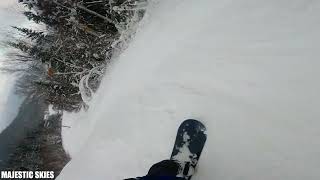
<point>88,30</point>
<point>94,13</point>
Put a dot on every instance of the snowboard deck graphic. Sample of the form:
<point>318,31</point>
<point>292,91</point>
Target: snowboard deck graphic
<point>190,140</point>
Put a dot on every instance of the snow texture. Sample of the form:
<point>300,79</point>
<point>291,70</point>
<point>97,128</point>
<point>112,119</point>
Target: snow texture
<point>249,69</point>
<point>9,101</point>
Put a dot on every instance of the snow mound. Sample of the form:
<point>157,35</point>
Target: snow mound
<point>248,69</point>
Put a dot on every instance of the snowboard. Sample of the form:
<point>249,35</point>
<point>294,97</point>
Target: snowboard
<point>190,140</point>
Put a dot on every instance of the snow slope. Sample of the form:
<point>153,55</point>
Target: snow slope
<point>249,69</point>
<point>9,101</point>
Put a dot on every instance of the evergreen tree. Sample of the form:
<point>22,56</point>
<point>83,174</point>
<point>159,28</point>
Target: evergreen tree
<point>67,61</point>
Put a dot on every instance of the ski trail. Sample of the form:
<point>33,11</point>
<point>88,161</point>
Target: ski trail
<point>247,69</point>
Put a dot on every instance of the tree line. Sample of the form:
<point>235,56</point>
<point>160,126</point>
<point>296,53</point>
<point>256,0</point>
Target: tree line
<point>65,61</point>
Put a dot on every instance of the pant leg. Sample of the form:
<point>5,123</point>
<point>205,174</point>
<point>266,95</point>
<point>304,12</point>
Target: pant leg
<point>164,168</point>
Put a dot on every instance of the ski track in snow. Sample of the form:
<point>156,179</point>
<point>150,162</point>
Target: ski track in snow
<point>248,69</point>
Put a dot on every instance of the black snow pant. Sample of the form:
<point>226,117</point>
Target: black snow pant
<point>164,170</point>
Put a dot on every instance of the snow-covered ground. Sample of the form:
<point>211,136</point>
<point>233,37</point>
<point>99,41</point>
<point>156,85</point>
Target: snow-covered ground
<point>9,101</point>
<point>249,69</point>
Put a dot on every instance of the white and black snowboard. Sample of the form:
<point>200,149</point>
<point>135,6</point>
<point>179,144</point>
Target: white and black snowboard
<point>190,140</point>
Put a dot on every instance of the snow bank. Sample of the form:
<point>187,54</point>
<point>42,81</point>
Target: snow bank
<point>248,69</point>
<point>9,101</point>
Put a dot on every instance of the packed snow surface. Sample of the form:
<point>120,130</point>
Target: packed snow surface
<point>248,69</point>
